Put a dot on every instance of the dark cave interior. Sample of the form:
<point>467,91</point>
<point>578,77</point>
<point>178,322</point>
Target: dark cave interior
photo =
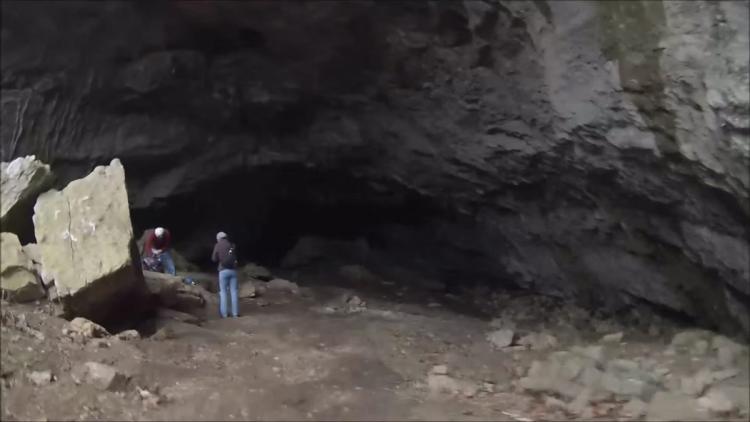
<point>265,211</point>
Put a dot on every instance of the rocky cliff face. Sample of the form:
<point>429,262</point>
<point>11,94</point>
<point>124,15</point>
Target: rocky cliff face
<point>596,150</point>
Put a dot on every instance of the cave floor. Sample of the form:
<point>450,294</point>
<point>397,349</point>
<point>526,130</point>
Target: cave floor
<point>319,354</point>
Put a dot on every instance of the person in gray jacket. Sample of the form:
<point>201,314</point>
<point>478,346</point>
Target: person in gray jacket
<point>224,255</point>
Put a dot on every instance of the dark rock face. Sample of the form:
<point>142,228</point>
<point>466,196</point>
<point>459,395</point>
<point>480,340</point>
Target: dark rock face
<point>589,150</point>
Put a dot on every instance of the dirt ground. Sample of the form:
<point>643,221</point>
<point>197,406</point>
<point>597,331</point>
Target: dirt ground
<point>318,354</point>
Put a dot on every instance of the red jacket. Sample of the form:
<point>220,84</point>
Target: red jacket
<point>153,242</point>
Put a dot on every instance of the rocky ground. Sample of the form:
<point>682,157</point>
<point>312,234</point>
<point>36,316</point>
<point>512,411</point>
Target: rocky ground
<point>372,350</point>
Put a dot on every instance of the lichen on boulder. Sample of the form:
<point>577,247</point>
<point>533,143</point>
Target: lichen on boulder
<point>86,241</point>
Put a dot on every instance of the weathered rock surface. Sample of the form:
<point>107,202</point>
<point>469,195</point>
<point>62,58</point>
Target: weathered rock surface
<point>21,181</point>
<point>594,150</point>
<point>18,279</point>
<point>86,242</point>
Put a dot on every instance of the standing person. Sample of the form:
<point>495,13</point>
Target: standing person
<point>158,242</point>
<point>224,255</point>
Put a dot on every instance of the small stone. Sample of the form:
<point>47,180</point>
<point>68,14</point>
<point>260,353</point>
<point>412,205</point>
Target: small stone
<point>716,401</point>
<point>612,338</point>
<point>725,374</point>
<point>488,387</point>
<point>164,333</point>
<point>538,341</point>
<point>439,370</point>
<point>686,339</point>
<point>580,403</point>
<point>441,384</point>
<point>40,378</point>
<point>593,352</point>
<point>87,329</point>
<point>501,338</point>
<point>554,403</point>
<point>128,335</point>
<point>470,390</point>
<point>99,343</point>
<point>101,376</point>
<point>674,407</point>
<point>697,384</point>
<point>635,408</point>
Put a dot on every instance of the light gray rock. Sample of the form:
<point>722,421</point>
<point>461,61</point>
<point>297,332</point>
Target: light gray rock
<point>280,284</point>
<point>538,341</point>
<point>635,408</point>
<point>697,384</point>
<point>612,338</point>
<point>716,401</point>
<point>439,370</point>
<point>101,376</point>
<point>501,338</point>
<point>668,406</point>
<point>87,329</point>
<point>128,335</point>
<point>40,378</point>
<point>21,181</point>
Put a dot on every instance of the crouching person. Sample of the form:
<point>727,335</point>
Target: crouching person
<point>224,255</point>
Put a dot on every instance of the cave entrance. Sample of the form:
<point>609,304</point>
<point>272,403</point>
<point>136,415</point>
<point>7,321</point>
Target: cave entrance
<point>267,210</point>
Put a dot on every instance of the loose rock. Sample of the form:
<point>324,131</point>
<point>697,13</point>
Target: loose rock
<point>40,377</point>
<point>538,341</point>
<point>129,335</point>
<point>18,279</point>
<point>101,376</point>
<point>635,408</point>
<point>674,407</point>
<point>501,338</point>
<point>716,401</point>
<point>439,370</point>
<point>87,329</point>
<point>283,285</point>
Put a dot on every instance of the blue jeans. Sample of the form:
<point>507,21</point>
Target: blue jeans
<point>167,262</point>
<point>228,280</point>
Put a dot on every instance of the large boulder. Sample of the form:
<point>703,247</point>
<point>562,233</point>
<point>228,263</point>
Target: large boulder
<point>23,179</point>
<point>17,278</point>
<point>86,242</point>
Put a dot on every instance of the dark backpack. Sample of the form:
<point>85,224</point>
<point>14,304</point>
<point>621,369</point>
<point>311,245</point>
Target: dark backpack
<point>229,262</point>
